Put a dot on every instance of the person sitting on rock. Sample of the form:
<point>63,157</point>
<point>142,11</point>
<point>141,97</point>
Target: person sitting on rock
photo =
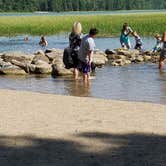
<point>157,47</point>
<point>138,41</point>
<point>43,42</point>
<point>163,52</point>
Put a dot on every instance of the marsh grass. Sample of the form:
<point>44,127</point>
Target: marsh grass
<point>108,25</point>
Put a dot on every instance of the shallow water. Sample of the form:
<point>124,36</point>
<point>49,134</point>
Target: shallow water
<point>142,82</point>
<point>61,41</point>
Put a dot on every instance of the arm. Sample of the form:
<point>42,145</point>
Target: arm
<point>90,56</point>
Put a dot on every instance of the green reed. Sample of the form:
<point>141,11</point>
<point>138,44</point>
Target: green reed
<point>108,25</point>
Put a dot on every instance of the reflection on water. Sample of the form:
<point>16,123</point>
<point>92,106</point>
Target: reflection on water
<point>133,83</point>
<point>78,88</point>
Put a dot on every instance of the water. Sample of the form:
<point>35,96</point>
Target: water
<point>61,41</point>
<point>141,82</point>
<point>84,13</point>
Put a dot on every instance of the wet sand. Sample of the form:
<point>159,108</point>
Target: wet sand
<point>54,130</point>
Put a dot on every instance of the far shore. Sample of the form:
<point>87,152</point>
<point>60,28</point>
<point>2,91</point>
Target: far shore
<point>45,129</point>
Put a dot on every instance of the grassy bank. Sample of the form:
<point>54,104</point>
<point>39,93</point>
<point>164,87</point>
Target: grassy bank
<point>109,25</point>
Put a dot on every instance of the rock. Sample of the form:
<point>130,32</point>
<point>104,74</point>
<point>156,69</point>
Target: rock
<point>147,58</point>
<point>114,64</point>
<point>127,62</point>
<point>99,58</point>
<point>155,59</point>
<point>7,68</point>
<point>60,71</point>
<point>139,59</point>
<point>111,56</point>
<point>18,56</point>
<point>42,67</point>
<point>53,53</point>
<point>120,57</point>
<point>120,62</point>
<point>128,52</point>
<point>31,68</point>
<point>40,55</point>
<point>22,65</point>
<point>58,68</point>
<point>110,52</point>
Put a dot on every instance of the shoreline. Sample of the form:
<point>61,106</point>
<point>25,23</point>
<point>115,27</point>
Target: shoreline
<point>44,129</point>
<point>89,97</point>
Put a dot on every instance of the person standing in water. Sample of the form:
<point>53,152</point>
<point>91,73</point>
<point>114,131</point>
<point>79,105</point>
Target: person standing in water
<point>43,42</point>
<point>163,52</point>
<point>86,52</point>
<point>124,37</point>
<point>74,44</point>
<point>157,47</point>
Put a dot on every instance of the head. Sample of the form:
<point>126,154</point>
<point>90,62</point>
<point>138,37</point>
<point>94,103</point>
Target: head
<point>125,25</point>
<point>157,36</point>
<point>43,38</point>
<point>77,28</point>
<point>93,32</point>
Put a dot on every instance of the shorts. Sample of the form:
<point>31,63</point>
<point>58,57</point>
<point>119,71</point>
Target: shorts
<point>163,54</point>
<point>85,68</point>
<point>138,46</point>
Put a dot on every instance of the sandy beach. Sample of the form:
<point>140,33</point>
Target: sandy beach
<point>54,130</point>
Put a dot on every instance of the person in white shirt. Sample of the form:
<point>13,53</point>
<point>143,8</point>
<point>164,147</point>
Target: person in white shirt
<point>86,52</point>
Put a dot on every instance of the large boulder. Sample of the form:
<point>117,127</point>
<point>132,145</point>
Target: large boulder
<point>53,53</point>
<point>8,68</point>
<point>42,67</point>
<point>58,67</point>
<point>40,55</point>
<point>99,58</point>
<point>60,71</point>
<point>19,56</point>
<point>127,53</point>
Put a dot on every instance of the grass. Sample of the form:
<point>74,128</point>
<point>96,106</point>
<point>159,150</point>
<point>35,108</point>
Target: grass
<point>108,25</point>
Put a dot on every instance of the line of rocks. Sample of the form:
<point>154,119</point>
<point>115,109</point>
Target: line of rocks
<point>51,61</point>
<point>121,57</point>
<point>48,62</point>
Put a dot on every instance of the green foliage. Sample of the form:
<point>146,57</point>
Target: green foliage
<point>108,25</point>
<point>83,5</point>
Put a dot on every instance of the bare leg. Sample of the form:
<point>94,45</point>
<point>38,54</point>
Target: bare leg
<point>76,73</point>
<point>161,63</point>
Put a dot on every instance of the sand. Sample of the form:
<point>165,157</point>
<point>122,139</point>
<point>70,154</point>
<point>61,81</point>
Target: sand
<point>54,130</point>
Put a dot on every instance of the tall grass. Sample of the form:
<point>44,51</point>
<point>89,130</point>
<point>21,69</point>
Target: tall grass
<point>108,25</point>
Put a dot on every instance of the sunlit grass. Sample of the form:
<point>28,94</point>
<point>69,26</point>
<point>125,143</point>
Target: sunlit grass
<point>108,25</point>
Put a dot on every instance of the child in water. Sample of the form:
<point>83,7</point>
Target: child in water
<point>43,42</point>
<point>157,47</point>
<point>138,41</point>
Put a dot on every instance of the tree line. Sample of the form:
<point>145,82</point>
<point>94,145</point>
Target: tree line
<point>79,5</point>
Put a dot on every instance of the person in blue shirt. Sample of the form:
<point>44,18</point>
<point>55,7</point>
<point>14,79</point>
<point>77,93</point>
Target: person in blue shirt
<point>124,37</point>
<point>157,47</point>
